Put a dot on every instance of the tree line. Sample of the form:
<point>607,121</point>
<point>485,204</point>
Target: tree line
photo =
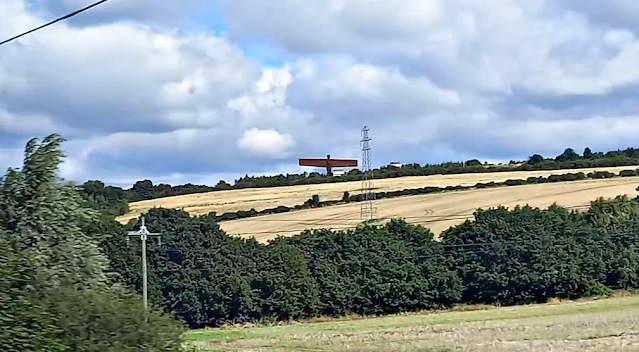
<point>502,256</point>
<point>316,202</point>
<point>116,199</point>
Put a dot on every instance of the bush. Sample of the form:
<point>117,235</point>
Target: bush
<point>111,320</point>
<point>526,255</point>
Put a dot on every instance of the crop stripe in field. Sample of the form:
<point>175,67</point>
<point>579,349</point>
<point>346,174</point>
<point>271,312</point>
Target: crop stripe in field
<point>436,190</point>
<point>593,174</point>
<point>349,219</point>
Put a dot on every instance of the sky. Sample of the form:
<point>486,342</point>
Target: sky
<point>198,91</point>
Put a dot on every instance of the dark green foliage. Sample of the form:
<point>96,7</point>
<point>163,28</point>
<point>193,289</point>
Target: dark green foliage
<point>568,155</point>
<point>535,159</point>
<point>200,273</point>
<point>378,270</point>
<point>587,153</point>
<point>111,320</point>
<point>25,323</point>
<point>611,214</point>
<point>526,255</point>
<point>502,256</point>
<point>601,174</point>
<point>209,278</point>
<point>223,185</point>
<point>45,218</point>
<point>107,200</point>
<point>288,291</point>
<point>569,159</point>
<point>56,293</point>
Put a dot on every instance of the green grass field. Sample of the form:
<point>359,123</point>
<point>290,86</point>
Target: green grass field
<point>599,325</point>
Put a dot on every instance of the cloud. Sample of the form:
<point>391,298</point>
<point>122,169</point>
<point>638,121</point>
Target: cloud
<point>268,143</point>
<point>157,12</point>
<point>138,96</point>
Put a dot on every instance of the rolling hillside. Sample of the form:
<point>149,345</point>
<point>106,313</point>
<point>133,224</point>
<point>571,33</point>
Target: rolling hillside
<point>435,211</point>
<point>263,198</point>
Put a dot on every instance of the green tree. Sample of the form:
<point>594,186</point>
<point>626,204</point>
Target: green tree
<point>45,218</point>
<point>202,275</point>
<point>55,293</point>
<point>587,153</point>
<point>106,199</point>
<point>568,155</point>
<point>223,185</point>
<point>611,213</point>
<point>526,255</point>
<point>26,324</point>
<point>535,159</point>
<point>142,190</point>
<point>288,291</point>
<point>375,270</point>
<point>111,320</point>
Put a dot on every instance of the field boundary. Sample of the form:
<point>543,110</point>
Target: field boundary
<point>315,202</point>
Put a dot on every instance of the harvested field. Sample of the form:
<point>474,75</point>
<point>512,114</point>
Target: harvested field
<point>435,211</point>
<point>263,198</point>
<point>603,325</point>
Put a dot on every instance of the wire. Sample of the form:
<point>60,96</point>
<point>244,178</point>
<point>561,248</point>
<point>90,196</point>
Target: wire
<point>54,21</point>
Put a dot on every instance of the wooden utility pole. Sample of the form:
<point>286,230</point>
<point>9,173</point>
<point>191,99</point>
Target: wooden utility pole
<point>144,233</point>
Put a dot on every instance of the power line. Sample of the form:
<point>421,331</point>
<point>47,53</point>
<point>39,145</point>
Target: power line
<point>54,21</point>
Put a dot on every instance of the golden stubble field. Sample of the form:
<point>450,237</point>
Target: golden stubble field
<point>435,211</point>
<point>263,198</point>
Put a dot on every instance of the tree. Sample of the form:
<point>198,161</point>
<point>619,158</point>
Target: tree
<point>55,292</point>
<point>612,213</point>
<point>376,270</point>
<point>526,255</point>
<point>568,155</point>
<point>26,324</point>
<point>223,185</point>
<point>45,218</point>
<point>288,291</point>
<point>107,200</point>
<point>111,320</point>
<point>142,190</point>
<point>535,159</point>
<point>587,153</point>
<point>202,275</point>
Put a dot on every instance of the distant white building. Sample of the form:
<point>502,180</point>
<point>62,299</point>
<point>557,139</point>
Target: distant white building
<point>396,164</point>
<point>337,173</point>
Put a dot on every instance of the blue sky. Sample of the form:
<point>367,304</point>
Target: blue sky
<point>195,91</point>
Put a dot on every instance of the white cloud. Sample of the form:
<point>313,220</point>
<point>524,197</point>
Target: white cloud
<point>269,143</point>
<point>434,80</point>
